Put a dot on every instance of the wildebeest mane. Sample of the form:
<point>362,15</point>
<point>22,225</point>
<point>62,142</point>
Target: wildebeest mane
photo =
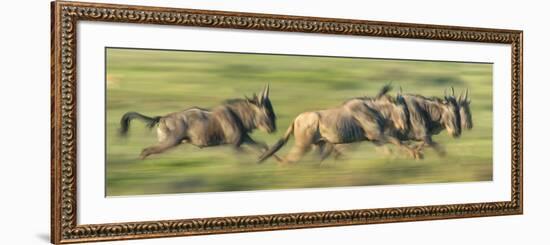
<point>197,108</point>
<point>430,108</point>
<point>234,101</point>
<point>266,103</point>
<point>240,110</point>
<point>431,98</point>
<point>383,92</point>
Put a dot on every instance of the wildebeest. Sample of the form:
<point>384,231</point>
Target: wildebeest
<point>429,116</point>
<point>374,119</point>
<point>229,123</point>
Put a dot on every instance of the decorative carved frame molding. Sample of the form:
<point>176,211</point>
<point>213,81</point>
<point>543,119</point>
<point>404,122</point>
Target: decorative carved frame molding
<point>65,16</point>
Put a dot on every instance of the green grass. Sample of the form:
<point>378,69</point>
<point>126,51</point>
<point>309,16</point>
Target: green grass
<point>159,82</point>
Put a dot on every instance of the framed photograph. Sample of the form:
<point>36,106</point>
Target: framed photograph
<point>176,122</point>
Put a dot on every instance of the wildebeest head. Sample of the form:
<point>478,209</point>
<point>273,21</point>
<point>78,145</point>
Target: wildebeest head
<point>264,115</point>
<point>451,115</point>
<point>465,113</point>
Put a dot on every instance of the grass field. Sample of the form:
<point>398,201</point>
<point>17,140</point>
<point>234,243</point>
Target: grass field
<point>159,82</point>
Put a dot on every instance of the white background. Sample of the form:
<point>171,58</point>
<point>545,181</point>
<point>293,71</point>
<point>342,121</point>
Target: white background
<point>25,122</point>
<point>94,208</point>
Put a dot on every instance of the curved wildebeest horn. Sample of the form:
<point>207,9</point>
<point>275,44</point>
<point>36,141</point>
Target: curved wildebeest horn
<point>452,91</point>
<point>265,93</point>
<point>464,96</point>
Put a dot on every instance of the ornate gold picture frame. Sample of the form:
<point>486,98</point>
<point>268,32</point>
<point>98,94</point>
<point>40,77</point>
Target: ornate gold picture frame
<point>64,106</point>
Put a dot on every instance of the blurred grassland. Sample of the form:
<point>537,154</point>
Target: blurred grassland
<point>156,82</point>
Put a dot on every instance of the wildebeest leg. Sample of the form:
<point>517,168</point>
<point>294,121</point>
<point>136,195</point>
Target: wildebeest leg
<point>437,147</point>
<point>306,133</point>
<point>374,132</point>
<point>238,149</point>
<point>260,146</point>
<point>326,149</point>
<point>381,146</point>
<point>386,150</point>
<point>302,145</point>
<point>296,153</point>
<point>338,151</point>
<point>415,153</point>
<point>159,147</point>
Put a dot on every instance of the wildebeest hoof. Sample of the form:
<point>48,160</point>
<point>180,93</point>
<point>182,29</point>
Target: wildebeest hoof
<point>143,155</point>
<point>419,147</point>
<point>417,154</point>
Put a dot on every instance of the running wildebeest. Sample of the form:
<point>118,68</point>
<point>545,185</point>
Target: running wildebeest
<point>229,123</point>
<point>373,119</point>
<point>429,116</point>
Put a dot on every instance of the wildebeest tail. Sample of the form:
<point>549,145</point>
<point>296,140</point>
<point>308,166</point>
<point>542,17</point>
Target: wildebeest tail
<point>277,146</point>
<point>128,116</point>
